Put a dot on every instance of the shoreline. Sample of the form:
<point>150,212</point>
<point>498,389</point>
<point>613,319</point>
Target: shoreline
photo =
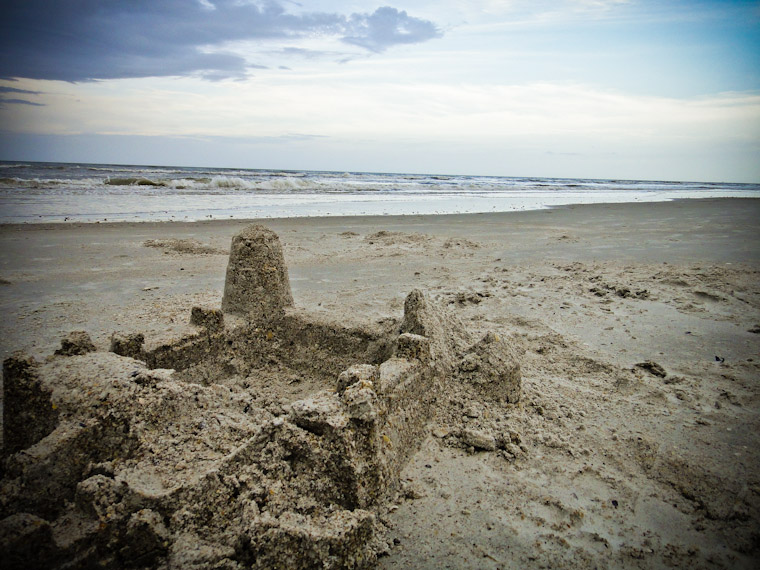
<point>386,216</point>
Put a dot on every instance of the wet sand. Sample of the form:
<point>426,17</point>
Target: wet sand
<point>618,467</point>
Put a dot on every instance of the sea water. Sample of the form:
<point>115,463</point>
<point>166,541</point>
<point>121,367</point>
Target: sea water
<point>53,192</point>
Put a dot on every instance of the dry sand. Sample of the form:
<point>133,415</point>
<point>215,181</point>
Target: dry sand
<point>611,464</point>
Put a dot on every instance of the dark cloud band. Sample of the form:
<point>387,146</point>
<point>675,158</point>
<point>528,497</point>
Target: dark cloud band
<point>108,39</point>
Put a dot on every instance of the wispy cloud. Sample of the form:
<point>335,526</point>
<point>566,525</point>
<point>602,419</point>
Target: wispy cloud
<point>14,101</point>
<point>20,102</point>
<point>5,89</point>
<point>599,4</point>
<point>305,53</point>
<point>109,39</point>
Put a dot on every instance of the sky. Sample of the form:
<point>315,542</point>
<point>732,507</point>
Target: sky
<point>635,89</point>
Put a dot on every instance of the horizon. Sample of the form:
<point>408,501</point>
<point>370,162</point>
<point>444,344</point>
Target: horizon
<point>576,89</point>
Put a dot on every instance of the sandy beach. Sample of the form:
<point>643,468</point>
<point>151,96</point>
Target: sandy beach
<point>636,442</point>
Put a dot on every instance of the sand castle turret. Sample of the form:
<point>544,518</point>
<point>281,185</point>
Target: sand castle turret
<point>257,284</point>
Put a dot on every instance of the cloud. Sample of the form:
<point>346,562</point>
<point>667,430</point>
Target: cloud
<point>108,39</point>
<point>304,53</point>
<point>600,4</point>
<point>20,102</point>
<point>387,27</point>
<point>4,89</point>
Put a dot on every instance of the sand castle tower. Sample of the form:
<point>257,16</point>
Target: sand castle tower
<point>257,285</point>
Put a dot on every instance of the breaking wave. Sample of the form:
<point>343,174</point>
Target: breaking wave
<point>88,192</point>
<point>132,182</point>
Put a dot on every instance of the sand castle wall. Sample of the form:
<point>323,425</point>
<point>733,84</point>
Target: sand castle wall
<point>267,441</point>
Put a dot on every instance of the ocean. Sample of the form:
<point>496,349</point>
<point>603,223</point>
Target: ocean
<point>58,192</point>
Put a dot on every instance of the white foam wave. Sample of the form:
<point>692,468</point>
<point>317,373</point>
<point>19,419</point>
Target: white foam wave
<point>289,183</point>
<point>113,169</point>
<point>48,182</point>
<point>224,182</point>
<point>232,182</point>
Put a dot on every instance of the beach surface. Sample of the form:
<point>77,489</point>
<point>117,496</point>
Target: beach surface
<point>637,328</point>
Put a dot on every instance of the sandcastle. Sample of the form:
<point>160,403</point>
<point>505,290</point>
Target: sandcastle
<point>269,438</point>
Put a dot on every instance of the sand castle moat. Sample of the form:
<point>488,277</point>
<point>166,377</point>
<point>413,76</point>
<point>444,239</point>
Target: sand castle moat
<point>269,438</point>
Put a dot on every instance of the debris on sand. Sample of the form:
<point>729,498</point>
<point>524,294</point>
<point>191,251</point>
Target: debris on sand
<point>653,368</point>
<point>478,439</point>
<point>267,438</point>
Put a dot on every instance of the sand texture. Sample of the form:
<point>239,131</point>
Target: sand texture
<point>568,388</point>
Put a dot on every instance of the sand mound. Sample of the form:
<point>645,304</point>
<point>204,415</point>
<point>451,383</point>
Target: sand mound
<point>183,246</point>
<point>387,238</point>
